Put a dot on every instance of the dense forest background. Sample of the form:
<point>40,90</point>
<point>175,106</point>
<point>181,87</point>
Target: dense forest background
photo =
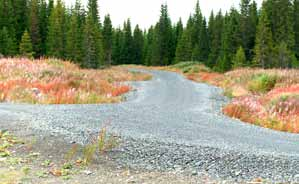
<point>266,37</point>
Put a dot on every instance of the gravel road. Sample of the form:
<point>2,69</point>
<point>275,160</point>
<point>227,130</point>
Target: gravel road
<point>170,123</point>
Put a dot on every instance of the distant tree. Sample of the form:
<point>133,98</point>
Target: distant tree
<point>284,57</point>
<point>56,32</point>
<point>26,46</point>
<point>264,42</point>
<point>93,41</point>
<point>184,48</point>
<point>126,55</point>
<point>204,43</point>
<point>216,25</point>
<point>43,26</point>
<point>74,36</point>
<point>138,44</point>
<point>34,27</point>
<point>107,39</point>
<point>163,52</point>
<point>296,27</point>
<point>239,59</point>
<point>7,43</point>
<point>116,47</point>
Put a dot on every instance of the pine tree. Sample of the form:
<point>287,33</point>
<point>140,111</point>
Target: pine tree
<point>178,31</point>
<point>20,13</point>
<point>93,45</point>
<point>127,44</point>
<point>117,44</point>
<point>26,46</point>
<point>43,26</point>
<point>138,43</point>
<point>34,27</point>
<point>239,59</point>
<point>283,56</point>
<point>163,50</point>
<point>7,43</point>
<point>204,43</point>
<point>56,34</point>
<point>74,37</point>
<point>196,31</point>
<point>216,26</point>
<point>296,27</point>
<point>184,48</point>
<point>264,42</point>
<point>107,39</point>
<point>148,47</point>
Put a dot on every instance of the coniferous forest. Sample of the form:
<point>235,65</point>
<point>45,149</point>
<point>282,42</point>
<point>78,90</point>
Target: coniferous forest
<point>265,37</point>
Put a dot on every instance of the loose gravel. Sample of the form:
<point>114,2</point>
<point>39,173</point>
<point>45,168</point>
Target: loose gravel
<point>170,123</point>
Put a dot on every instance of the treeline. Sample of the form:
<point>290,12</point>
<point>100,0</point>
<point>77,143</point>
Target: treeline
<point>266,37</point>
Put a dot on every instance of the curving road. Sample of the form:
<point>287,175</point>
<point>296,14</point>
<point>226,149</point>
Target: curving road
<point>167,109</point>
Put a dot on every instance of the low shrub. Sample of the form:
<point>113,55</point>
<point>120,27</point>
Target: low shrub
<point>262,83</point>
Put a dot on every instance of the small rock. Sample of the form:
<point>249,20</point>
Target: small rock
<point>87,172</point>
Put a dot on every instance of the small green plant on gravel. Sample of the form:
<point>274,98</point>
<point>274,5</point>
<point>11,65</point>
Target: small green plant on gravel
<point>46,163</point>
<point>41,174</point>
<point>26,170</point>
<point>72,152</point>
<point>262,83</point>
<point>89,152</point>
<point>104,142</point>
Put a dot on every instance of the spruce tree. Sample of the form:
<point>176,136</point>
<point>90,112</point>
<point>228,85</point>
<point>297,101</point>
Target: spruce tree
<point>7,43</point>
<point>56,33</point>
<point>34,27</point>
<point>204,43</point>
<point>93,45</point>
<point>138,44</point>
<point>296,27</point>
<point>126,55</point>
<point>107,39</point>
<point>239,59</point>
<point>117,44</point>
<point>184,48</point>
<point>26,46</point>
<point>264,43</point>
<point>74,37</point>
<point>216,26</point>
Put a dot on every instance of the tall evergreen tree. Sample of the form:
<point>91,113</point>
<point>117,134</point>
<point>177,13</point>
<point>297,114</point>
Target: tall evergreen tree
<point>184,48</point>
<point>163,52</point>
<point>93,43</point>
<point>7,43</point>
<point>107,39</point>
<point>56,34</point>
<point>126,45</point>
<point>34,27</point>
<point>204,43</point>
<point>74,37</point>
<point>138,44</point>
<point>117,44</point>
<point>264,42</point>
<point>216,26</point>
<point>296,27</point>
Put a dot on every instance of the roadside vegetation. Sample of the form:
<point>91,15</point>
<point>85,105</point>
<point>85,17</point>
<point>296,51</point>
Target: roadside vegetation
<point>19,163</point>
<point>264,97</point>
<point>52,81</point>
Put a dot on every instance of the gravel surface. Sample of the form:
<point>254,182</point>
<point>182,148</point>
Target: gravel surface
<point>170,123</point>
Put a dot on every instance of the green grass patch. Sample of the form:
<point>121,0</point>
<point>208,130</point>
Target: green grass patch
<point>262,83</point>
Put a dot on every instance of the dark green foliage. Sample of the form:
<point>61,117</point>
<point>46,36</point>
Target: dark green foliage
<point>268,37</point>
<point>138,44</point>
<point>264,42</point>
<point>239,59</point>
<point>107,40</point>
<point>26,46</point>
<point>93,47</point>
<point>56,34</point>
<point>7,43</point>
<point>74,36</point>
<point>296,27</point>
<point>126,52</point>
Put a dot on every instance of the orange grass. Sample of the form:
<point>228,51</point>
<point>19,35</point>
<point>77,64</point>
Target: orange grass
<point>52,81</point>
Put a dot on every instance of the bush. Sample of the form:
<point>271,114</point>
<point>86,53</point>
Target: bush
<point>262,83</point>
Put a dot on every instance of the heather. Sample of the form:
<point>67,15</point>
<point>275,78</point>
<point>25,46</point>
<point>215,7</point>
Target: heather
<point>52,81</point>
